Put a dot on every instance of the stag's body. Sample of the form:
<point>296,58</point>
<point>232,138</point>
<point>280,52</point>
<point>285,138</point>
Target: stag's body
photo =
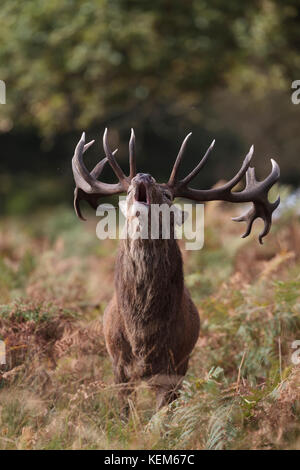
<point>151,325</point>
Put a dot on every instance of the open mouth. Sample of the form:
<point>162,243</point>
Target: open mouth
<point>141,194</point>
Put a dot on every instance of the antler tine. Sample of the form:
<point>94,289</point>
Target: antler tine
<point>113,162</point>
<point>132,156</point>
<point>273,176</point>
<point>83,178</point>
<point>262,208</point>
<point>88,145</point>
<point>173,176</point>
<point>200,165</point>
<point>81,174</point>
<point>97,170</point>
<point>242,171</point>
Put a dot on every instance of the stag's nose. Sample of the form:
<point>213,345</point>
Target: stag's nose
<point>144,177</point>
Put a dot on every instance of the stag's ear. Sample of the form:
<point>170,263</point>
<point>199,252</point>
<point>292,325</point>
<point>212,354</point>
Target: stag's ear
<point>123,207</point>
<point>179,215</point>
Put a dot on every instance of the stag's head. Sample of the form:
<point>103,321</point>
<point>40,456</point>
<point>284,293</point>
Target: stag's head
<point>142,189</point>
<point>145,190</point>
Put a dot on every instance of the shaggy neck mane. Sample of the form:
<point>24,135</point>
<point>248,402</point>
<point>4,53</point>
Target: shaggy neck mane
<point>149,279</point>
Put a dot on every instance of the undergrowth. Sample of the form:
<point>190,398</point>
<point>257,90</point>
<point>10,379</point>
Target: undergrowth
<point>56,389</point>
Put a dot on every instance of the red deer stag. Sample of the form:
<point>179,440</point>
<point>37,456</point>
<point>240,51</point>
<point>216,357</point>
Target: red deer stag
<point>151,324</point>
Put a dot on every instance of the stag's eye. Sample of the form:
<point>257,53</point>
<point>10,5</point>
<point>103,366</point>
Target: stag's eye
<point>168,195</point>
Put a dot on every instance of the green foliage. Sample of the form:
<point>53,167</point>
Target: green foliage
<point>65,54</point>
<point>12,278</point>
<point>22,313</point>
<point>165,67</point>
<point>56,392</point>
<point>77,62</point>
<point>287,292</point>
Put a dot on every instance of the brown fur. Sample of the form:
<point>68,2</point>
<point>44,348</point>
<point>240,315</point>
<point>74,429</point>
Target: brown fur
<point>151,325</point>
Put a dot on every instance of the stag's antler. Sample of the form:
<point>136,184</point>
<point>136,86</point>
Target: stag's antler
<point>87,185</point>
<point>255,191</point>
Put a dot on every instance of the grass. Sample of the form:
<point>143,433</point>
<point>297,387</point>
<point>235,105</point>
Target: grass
<point>56,390</point>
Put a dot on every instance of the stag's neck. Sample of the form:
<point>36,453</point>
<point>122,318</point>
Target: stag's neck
<point>149,279</point>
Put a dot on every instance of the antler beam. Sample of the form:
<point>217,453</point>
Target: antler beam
<point>255,191</point>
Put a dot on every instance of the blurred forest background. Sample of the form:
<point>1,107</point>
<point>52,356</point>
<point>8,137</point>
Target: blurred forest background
<point>223,70</point>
